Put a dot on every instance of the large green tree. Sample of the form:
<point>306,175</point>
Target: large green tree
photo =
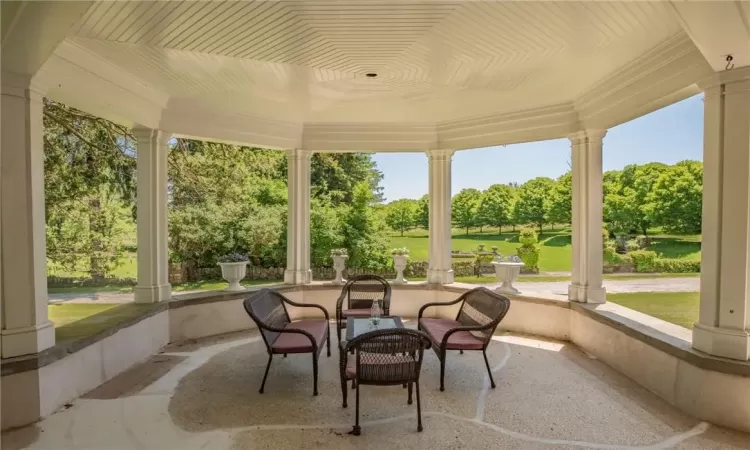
<point>496,206</point>
<point>363,233</point>
<point>676,200</point>
<point>423,212</point>
<point>560,200</point>
<point>533,201</point>
<point>89,189</point>
<point>464,208</point>
<point>401,215</point>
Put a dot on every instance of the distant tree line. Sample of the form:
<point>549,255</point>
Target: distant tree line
<point>635,198</point>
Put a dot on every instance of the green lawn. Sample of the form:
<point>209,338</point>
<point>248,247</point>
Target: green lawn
<point>78,320</point>
<point>679,308</point>
<point>556,251</point>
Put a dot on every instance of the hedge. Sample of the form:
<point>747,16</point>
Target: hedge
<point>676,266</point>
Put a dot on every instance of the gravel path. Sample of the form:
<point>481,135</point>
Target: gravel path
<point>555,287</point>
<point>619,286</point>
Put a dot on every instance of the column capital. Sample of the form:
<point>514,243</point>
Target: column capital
<point>716,79</point>
<point>592,134</point>
<point>299,153</point>
<point>145,133</point>
<point>20,85</point>
<point>442,153</point>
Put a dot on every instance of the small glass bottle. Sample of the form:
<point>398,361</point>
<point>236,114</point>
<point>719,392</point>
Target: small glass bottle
<point>375,312</point>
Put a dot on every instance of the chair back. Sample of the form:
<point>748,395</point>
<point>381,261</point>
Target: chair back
<point>389,356</point>
<point>364,289</point>
<point>267,309</point>
<point>482,306</point>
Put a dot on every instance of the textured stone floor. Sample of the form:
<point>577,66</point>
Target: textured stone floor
<point>204,395</point>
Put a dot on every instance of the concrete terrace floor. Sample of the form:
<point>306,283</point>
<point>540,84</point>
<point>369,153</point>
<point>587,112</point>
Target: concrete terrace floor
<point>204,395</point>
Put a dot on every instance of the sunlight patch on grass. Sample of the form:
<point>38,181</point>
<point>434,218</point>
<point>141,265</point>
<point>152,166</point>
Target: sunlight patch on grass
<point>679,308</point>
<point>80,320</point>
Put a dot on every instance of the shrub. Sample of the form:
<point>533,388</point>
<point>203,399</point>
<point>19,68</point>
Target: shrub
<point>621,242</point>
<point>625,260</point>
<point>643,260</point>
<point>528,251</point>
<point>528,236</point>
<point>632,245</point>
<point>530,256</point>
<point>611,257</point>
<point>644,242</point>
<point>665,265</point>
<point>605,235</point>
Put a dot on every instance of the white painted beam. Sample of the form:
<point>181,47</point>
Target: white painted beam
<point>718,29</point>
<point>33,29</point>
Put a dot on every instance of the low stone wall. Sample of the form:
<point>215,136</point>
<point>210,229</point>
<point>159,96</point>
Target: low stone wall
<point>179,273</point>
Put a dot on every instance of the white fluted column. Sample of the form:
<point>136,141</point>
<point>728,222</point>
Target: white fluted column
<point>723,327</point>
<point>151,224</point>
<point>26,327</point>
<point>298,231</point>
<point>586,150</point>
<point>439,270</point>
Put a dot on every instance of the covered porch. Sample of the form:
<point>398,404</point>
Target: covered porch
<point>310,77</point>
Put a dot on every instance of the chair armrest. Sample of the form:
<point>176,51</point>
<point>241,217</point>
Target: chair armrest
<point>427,305</point>
<point>307,305</point>
<point>340,304</point>
<point>448,333</point>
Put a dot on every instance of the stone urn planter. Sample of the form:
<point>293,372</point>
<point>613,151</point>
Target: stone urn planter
<point>339,264</point>
<point>400,256</point>
<point>507,272</point>
<point>233,269</point>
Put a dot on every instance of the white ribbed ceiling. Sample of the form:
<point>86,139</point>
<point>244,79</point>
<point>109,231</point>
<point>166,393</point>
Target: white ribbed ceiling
<point>436,61</point>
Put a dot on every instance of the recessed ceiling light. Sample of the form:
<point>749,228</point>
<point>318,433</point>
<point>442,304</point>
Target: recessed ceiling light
<point>371,75</point>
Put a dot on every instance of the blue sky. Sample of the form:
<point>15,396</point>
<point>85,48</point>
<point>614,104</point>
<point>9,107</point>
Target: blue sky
<point>669,135</point>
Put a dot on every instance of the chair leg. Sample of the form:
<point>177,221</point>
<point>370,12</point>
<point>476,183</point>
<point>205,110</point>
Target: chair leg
<point>315,373</point>
<point>328,342</point>
<point>338,331</point>
<point>419,409</point>
<point>489,371</point>
<point>409,402</point>
<point>442,372</point>
<point>354,384</point>
<point>268,366</point>
<point>357,430</point>
<point>343,391</point>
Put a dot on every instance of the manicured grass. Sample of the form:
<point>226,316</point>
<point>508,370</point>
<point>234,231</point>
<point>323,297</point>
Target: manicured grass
<point>217,285</point>
<point>555,245</point>
<point>555,254</point>
<point>90,289</point>
<point>78,320</point>
<point>679,308</point>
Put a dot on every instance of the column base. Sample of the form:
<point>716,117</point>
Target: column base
<point>28,340</point>
<point>723,342</point>
<point>586,294</point>
<point>298,276</point>
<point>152,294</point>
<point>436,276</point>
